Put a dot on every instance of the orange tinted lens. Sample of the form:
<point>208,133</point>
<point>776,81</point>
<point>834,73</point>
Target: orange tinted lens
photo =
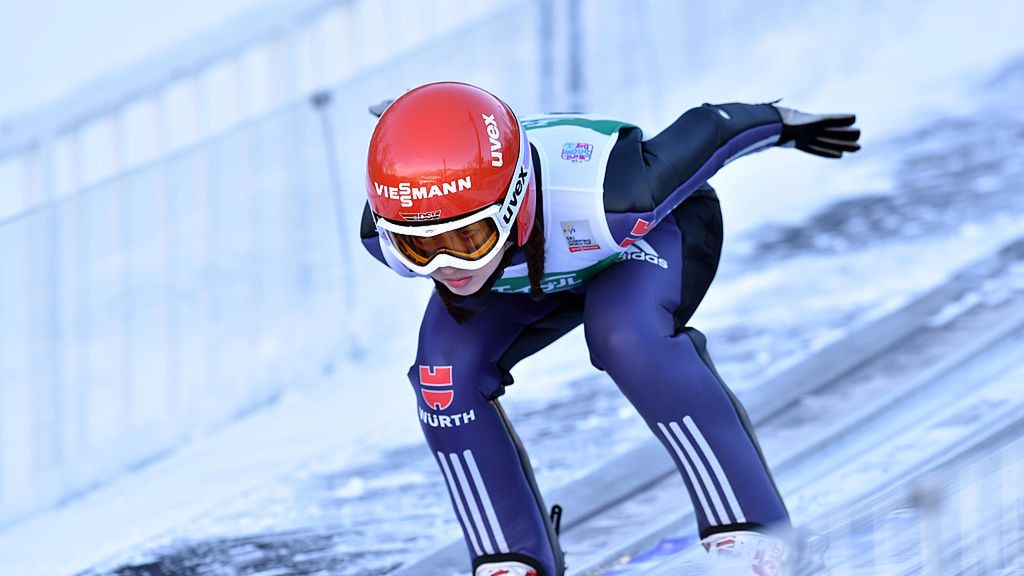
<point>471,242</point>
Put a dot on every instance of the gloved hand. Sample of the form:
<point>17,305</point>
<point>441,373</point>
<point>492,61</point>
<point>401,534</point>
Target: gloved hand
<point>827,135</point>
<point>379,108</point>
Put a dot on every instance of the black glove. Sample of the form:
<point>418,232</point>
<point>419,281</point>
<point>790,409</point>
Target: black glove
<point>827,135</point>
<point>379,108</point>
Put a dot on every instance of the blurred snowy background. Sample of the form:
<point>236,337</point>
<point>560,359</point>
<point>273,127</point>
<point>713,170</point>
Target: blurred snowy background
<point>186,313</point>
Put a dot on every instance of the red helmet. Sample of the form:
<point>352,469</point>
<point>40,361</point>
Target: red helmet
<point>448,173</point>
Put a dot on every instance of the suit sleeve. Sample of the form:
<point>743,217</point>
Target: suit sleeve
<point>647,179</point>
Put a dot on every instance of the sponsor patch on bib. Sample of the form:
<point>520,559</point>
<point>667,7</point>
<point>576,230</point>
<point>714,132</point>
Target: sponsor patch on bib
<point>578,236</point>
<point>577,152</point>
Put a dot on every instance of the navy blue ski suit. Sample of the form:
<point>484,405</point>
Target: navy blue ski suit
<point>634,314</point>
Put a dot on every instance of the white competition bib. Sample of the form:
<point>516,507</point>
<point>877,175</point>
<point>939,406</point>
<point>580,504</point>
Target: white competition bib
<point>573,152</point>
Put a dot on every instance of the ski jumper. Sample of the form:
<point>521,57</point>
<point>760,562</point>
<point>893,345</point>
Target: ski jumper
<point>633,237</point>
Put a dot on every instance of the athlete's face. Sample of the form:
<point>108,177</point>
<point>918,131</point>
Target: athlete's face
<point>466,282</point>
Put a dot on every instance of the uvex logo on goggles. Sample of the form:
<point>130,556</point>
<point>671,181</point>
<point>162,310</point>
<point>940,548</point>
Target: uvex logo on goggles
<point>406,192</point>
<point>517,193</point>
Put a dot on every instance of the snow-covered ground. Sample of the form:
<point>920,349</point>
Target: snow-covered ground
<point>843,451</point>
<point>334,478</point>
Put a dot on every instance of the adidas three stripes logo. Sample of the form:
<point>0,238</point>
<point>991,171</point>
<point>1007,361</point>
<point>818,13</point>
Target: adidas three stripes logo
<point>716,496</point>
<point>472,502</point>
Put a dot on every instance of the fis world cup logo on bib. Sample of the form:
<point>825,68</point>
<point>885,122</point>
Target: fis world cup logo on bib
<point>577,151</point>
<point>578,236</point>
<point>436,386</point>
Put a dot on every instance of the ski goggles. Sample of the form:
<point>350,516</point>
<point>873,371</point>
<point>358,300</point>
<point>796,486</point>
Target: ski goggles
<point>468,243</point>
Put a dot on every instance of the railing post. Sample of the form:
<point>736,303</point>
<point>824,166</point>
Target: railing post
<point>575,51</point>
<point>928,497</point>
<point>322,102</point>
<point>547,42</point>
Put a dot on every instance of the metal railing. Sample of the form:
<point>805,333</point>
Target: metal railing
<point>218,81</point>
<point>142,309</point>
<point>965,519</point>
